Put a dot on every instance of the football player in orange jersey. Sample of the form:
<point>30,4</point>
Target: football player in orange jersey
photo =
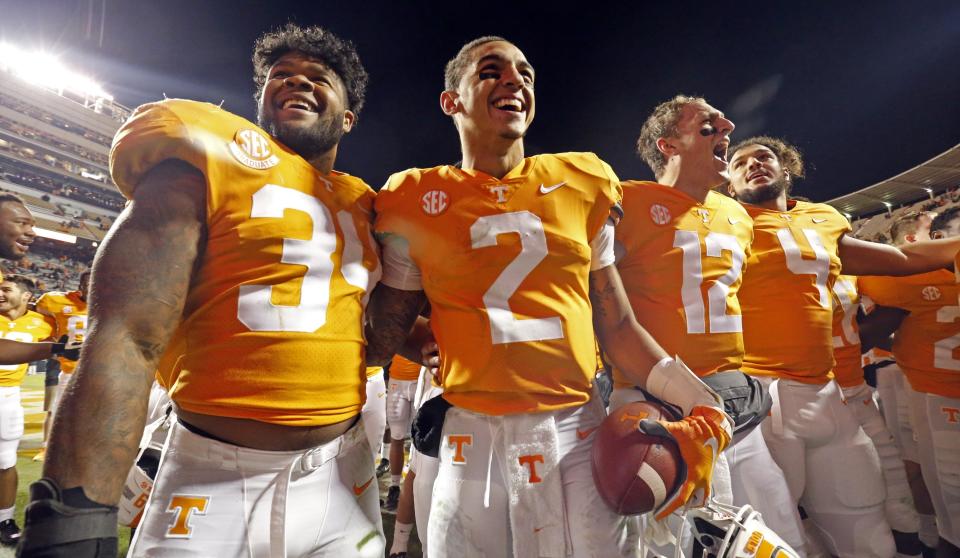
<point>16,236</point>
<point>848,373</point>
<point>515,256</point>
<point>681,251</point>
<point>66,312</point>
<point>247,255</point>
<point>922,312</point>
<point>785,299</point>
<point>20,324</point>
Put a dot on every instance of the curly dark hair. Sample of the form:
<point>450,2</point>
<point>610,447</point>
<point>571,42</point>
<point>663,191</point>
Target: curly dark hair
<point>456,66</point>
<point>943,219</point>
<point>788,155</point>
<point>316,42</point>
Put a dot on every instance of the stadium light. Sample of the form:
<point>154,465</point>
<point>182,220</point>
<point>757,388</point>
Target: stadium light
<point>55,235</point>
<point>40,68</point>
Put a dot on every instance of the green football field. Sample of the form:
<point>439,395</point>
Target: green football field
<point>29,470</point>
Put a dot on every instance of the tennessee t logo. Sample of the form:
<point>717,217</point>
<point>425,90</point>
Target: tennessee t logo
<point>634,418</point>
<point>953,414</point>
<point>184,506</point>
<point>457,441</point>
<point>531,461</point>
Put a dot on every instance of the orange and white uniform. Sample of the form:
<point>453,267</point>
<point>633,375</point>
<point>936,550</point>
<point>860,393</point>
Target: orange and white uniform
<point>927,349</point>
<point>30,327</point>
<point>787,304</point>
<point>67,314</point>
<point>848,373</point>
<point>271,331</point>
<point>401,396</point>
<point>288,264</point>
<point>682,263</point>
<point>505,264</point>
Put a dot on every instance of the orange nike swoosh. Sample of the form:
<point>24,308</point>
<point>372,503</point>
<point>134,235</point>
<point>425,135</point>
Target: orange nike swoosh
<point>582,434</point>
<point>358,490</point>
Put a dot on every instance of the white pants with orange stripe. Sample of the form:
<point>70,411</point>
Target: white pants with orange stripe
<point>831,467</point>
<point>217,499</point>
<point>522,485</point>
<point>936,421</point>
<point>901,513</point>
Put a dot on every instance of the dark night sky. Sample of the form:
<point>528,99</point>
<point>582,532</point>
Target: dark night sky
<point>866,89</point>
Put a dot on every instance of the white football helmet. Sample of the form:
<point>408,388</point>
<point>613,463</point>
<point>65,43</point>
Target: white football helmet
<point>730,532</point>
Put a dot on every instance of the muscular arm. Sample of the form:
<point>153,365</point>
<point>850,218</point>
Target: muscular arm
<point>390,319</point>
<point>627,345</point>
<point>142,273</point>
<point>860,257</point>
<point>18,352</point>
<point>877,327</point>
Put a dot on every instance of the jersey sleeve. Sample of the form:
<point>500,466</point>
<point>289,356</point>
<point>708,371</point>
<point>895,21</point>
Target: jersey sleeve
<point>882,291</point>
<point>155,133</point>
<point>399,269</point>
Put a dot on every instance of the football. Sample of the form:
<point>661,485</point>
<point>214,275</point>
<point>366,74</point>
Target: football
<point>634,472</point>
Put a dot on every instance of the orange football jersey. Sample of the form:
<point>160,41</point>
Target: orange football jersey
<point>848,370</point>
<point>682,263</point>
<point>505,264</point>
<point>403,369</point>
<point>30,327</point>
<point>786,296</point>
<point>272,326</point>
<point>927,344</point>
<point>67,314</point>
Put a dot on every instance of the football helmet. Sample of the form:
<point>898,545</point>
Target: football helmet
<point>724,531</point>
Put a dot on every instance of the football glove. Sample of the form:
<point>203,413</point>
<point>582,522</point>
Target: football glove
<point>67,347</point>
<point>700,437</point>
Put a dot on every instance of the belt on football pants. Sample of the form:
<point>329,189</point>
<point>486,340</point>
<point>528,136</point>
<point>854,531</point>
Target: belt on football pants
<point>309,460</point>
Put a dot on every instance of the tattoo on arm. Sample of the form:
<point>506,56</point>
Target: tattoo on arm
<point>141,276</point>
<point>390,317</point>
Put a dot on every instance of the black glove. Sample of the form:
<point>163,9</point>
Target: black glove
<point>67,348</point>
<point>428,426</point>
<point>66,524</point>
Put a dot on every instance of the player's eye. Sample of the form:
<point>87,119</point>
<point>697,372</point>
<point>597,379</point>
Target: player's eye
<point>489,75</point>
<point>280,75</point>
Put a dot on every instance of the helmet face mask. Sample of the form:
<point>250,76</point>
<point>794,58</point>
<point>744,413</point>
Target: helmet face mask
<point>730,532</point>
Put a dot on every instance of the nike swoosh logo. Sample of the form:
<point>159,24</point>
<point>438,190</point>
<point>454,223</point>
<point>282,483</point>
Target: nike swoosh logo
<point>583,434</point>
<point>733,221</point>
<point>358,490</point>
<point>815,220</point>
<point>548,189</point>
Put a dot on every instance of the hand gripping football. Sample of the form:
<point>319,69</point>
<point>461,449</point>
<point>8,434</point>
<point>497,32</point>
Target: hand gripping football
<point>634,472</point>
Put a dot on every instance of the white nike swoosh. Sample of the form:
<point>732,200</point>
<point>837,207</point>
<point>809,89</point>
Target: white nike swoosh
<point>815,220</point>
<point>733,221</point>
<point>548,189</point>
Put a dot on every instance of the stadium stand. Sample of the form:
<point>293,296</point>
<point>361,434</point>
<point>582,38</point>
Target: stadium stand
<point>930,186</point>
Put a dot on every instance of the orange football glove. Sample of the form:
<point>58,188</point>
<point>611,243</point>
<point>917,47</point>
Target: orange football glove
<point>701,437</point>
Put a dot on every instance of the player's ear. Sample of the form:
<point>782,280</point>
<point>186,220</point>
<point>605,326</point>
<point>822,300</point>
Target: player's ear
<point>349,119</point>
<point>450,102</point>
<point>666,147</point>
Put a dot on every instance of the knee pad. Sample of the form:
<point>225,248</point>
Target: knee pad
<point>858,483</point>
<point>11,422</point>
<point>873,541</point>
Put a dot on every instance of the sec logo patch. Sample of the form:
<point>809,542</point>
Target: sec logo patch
<point>434,202</point>
<point>931,293</point>
<point>660,214</point>
<point>252,149</point>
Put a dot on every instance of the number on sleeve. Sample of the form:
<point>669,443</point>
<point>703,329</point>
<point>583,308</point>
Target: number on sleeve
<point>504,327</point>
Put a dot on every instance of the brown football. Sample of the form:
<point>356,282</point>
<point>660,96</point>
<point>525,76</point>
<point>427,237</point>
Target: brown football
<point>633,471</point>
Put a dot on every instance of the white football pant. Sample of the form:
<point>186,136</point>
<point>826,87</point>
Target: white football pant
<point>936,421</point>
<point>894,391</point>
<point>374,412</point>
<point>11,425</point>
<point>217,499</point>
<point>831,467</point>
<point>401,396</point>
